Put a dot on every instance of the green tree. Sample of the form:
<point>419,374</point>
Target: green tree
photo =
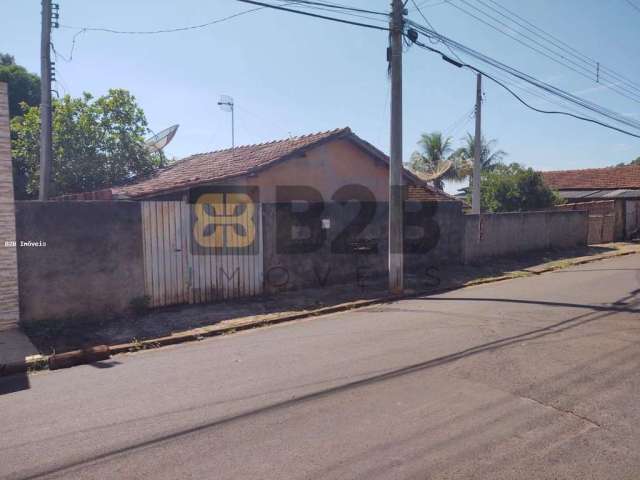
<point>513,188</point>
<point>6,59</point>
<point>23,86</point>
<point>632,162</point>
<point>97,143</point>
<point>489,158</point>
<point>434,152</point>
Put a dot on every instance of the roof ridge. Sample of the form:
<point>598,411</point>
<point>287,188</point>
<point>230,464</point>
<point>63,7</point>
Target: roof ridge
<point>612,167</point>
<point>264,144</point>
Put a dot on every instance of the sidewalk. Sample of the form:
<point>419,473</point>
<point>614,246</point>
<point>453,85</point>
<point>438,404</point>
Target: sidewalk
<point>192,322</point>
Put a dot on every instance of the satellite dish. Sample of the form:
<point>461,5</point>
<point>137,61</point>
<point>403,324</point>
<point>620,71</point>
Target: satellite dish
<point>443,168</point>
<point>160,140</point>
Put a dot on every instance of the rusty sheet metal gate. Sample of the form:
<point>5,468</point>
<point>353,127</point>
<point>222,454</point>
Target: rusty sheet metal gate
<point>602,219</point>
<point>200,253</point>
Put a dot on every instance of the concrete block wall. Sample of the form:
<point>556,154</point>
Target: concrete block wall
<point>436,234</point>
<point>503,234</point>
<point>9,312</point>
<point>91,266</point>
<point>289,265</point>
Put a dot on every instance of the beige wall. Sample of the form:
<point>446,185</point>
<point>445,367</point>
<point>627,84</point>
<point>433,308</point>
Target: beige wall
<point>9,313</point>
<point>326,168</point>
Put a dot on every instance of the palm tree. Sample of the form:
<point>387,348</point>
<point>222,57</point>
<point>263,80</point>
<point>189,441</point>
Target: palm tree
<point>489,159</point>
<point>434,151</point>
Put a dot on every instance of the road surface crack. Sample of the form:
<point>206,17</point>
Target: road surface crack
<point>563,410</point>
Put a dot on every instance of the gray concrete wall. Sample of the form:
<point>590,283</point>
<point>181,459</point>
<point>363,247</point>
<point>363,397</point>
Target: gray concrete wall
<point>9,313</point>
<point>353,249</point>
<point>493,235</point>
<point>91,266</point>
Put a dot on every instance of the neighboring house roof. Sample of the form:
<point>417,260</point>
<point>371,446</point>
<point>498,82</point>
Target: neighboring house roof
<point>618,178</point>
<point>213,167</point>
<point>599,194</point>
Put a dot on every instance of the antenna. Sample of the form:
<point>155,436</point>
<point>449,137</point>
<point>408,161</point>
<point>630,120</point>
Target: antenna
<point>160,140</point>
<point>226,105</point>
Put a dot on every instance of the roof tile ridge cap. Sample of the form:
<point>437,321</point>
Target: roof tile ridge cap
<point>593,169</point>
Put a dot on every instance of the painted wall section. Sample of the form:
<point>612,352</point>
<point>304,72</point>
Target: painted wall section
<point>351,242</point>
<point>326,168</point>
<point>503,234</point>
<point>92,265</point>
<point>9,312</point>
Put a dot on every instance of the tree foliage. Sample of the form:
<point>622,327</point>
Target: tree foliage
<point>489,158</point>
<point>23,86</point>
<point>97,143</point>
<point>632,162</point>
<point>435,150</point>
<point>7,59</point>
<point>513,188</point>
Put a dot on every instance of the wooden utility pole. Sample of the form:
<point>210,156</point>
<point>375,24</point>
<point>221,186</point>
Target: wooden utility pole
<point>396,193</point>
<point>46,149</point>
<point>477,158</point>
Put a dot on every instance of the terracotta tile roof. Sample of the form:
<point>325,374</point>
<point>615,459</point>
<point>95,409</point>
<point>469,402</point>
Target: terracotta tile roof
<point>594,178</point>
<point>425,193</point>
<point>211,167</point>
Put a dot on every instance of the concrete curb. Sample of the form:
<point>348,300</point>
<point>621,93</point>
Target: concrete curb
<point>102,352</point>
<point>204,332</point>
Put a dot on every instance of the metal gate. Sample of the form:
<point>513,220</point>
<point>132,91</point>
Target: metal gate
<point>199,253</point>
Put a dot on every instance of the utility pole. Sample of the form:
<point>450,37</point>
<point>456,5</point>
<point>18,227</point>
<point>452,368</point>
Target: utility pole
<point>46,149</point>
<point>396,192</point>
<point>477,147</point>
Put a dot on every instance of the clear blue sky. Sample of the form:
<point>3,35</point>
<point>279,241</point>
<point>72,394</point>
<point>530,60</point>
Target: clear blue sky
<point>292,75</point>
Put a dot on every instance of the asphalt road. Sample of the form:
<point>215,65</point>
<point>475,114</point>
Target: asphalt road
<point>535,378</point>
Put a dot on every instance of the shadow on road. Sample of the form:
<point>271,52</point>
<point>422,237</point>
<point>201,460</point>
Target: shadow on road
<point>614,307</point>
<point>14,383</point>
<point>596,312</point>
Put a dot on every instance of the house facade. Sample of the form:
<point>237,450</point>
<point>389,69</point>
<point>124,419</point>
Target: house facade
<point>618,184</point>
<point>327,166</point>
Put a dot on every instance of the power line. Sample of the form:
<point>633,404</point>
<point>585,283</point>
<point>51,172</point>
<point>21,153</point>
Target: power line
<point>554,112</point>
<point>85,29</point>
<point>558,43</point>
<point>549,53</point>
<point>525,77</point>
<point>431,35</point>
<point>315,15</point>
<point>561,45</point>
<point>340,7</point>
<point>633,5</point>
<point>451,44</point>
<point>425,4</point>
<point>459,123</point>
<point>345,11</point>
<point>539,94</point>
<point>432,27</point>
<point>167,30</point>
<point>68,58</point>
